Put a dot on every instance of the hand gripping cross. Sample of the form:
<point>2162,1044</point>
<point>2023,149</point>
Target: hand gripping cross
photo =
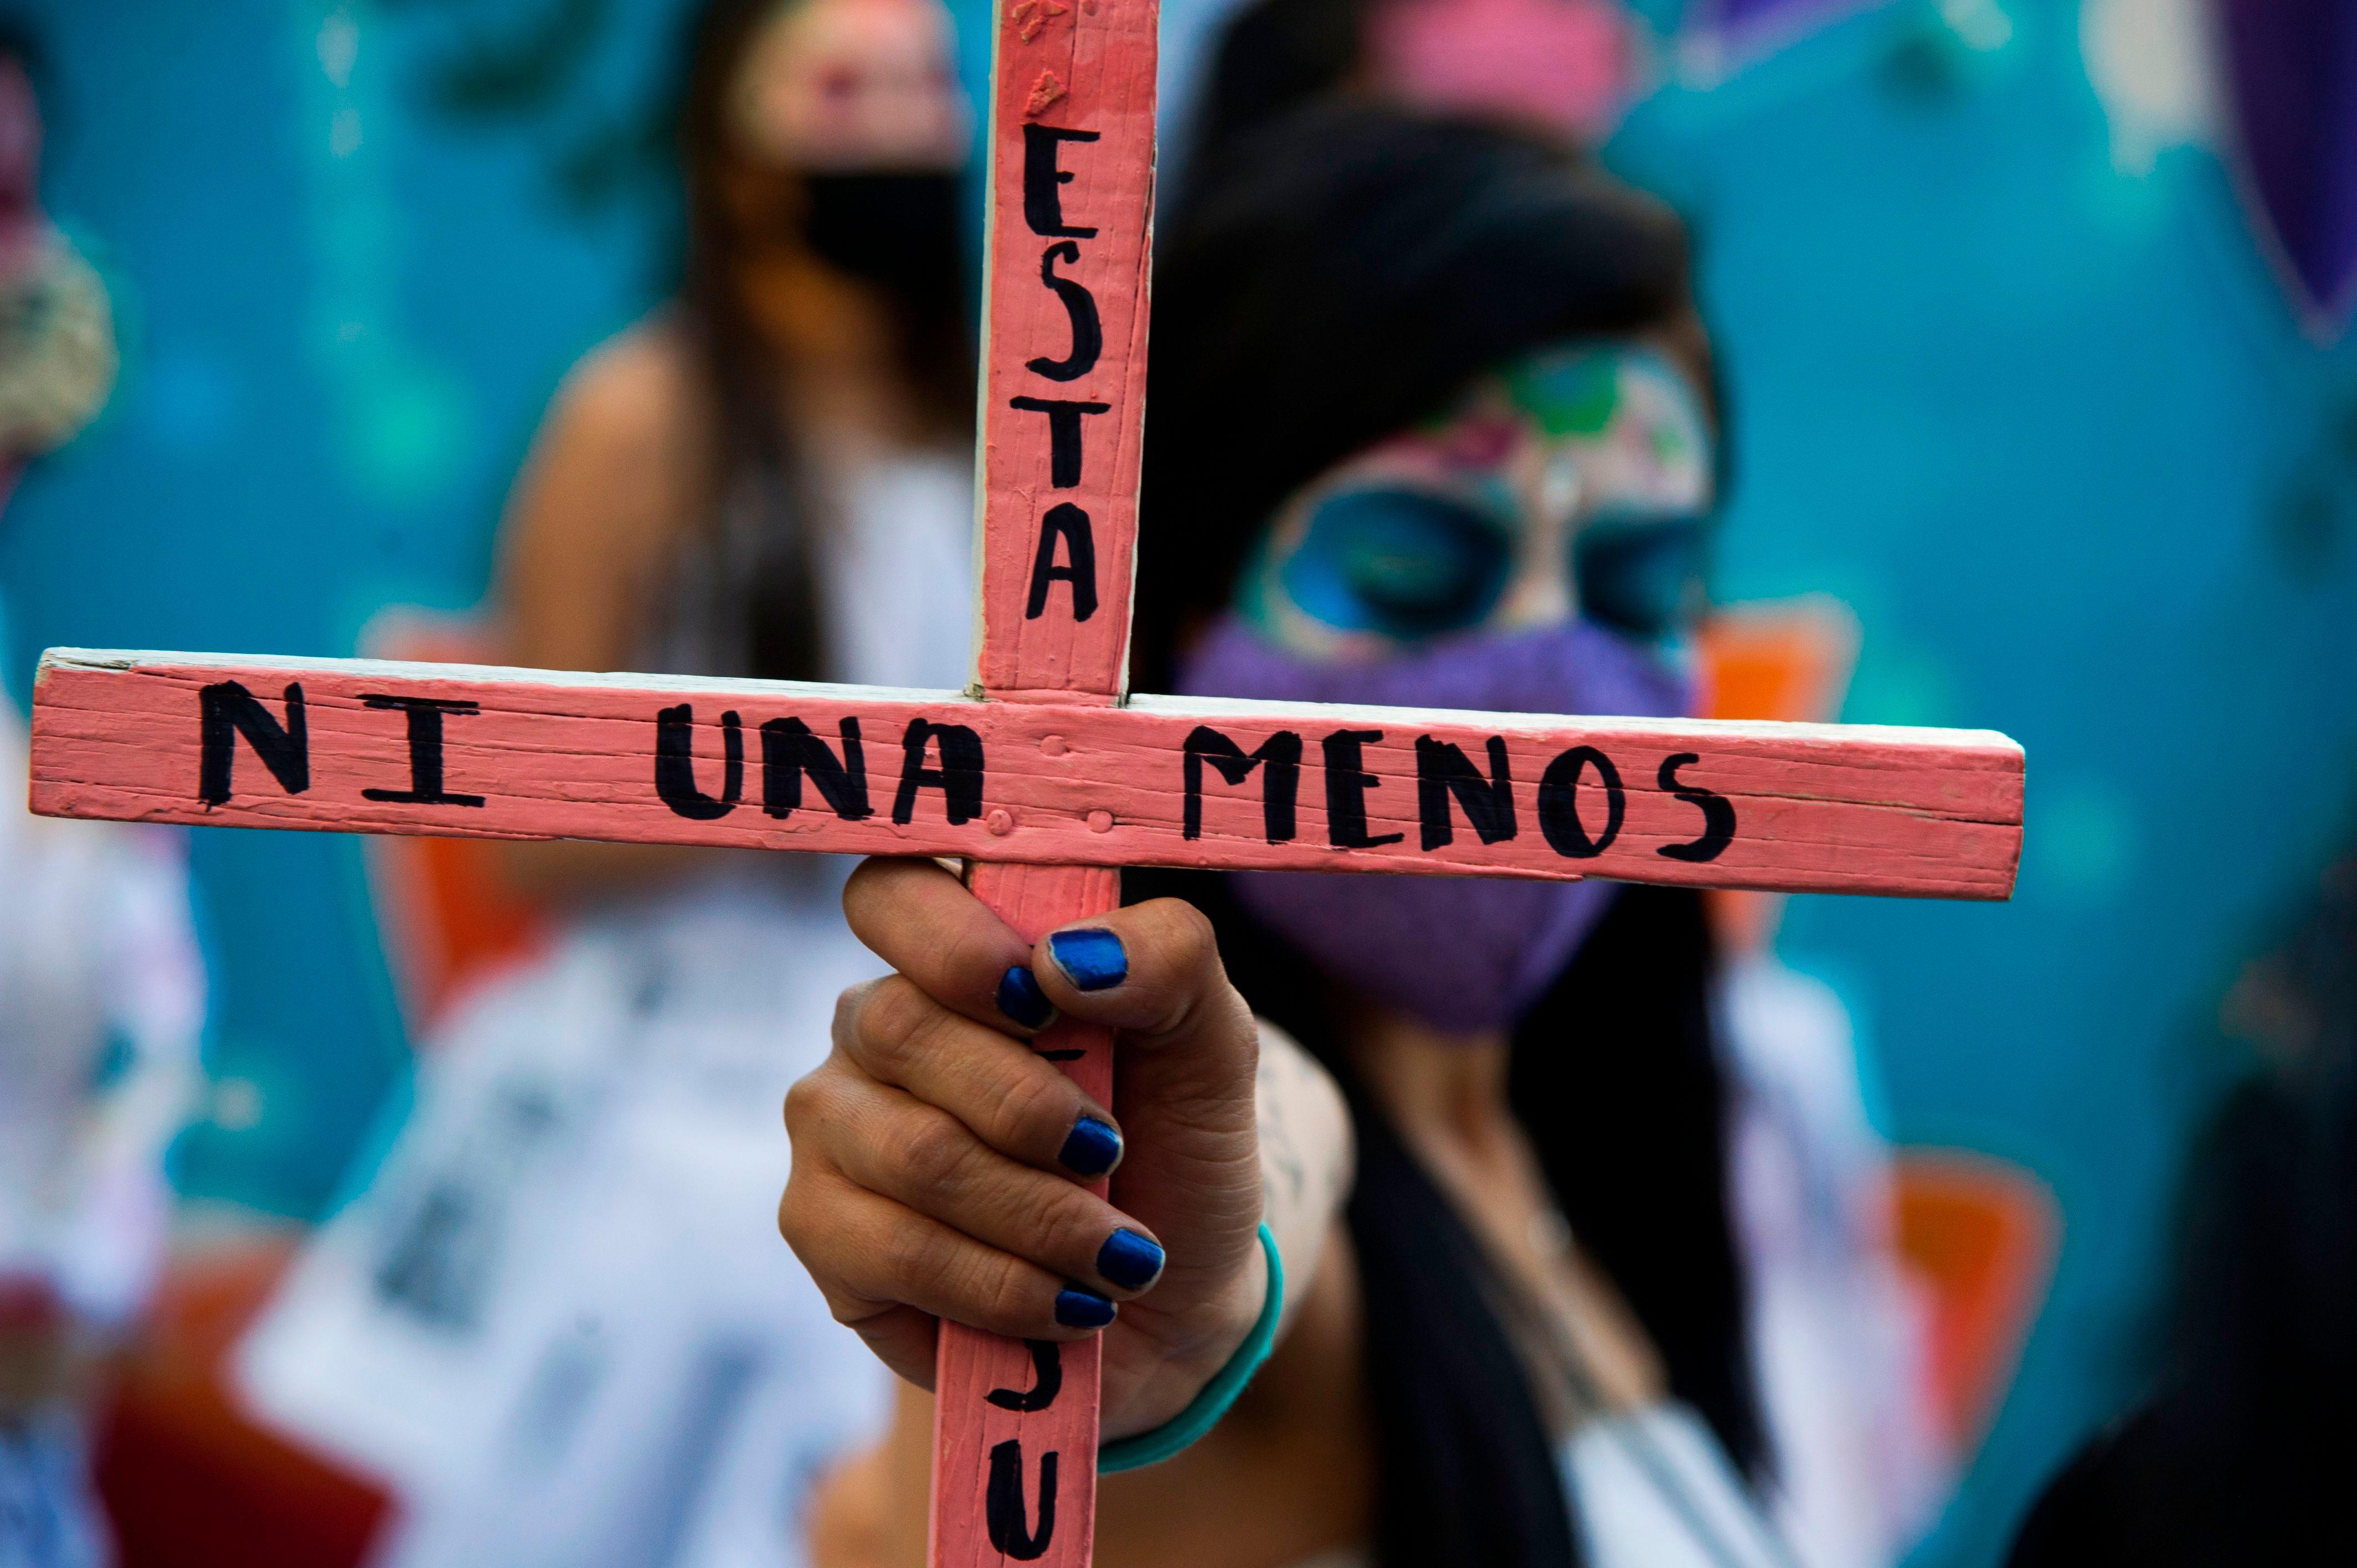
<point>1043,775</point>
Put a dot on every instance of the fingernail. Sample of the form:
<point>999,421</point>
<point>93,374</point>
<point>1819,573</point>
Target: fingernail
<point>1020,998</point>
<point>1090,1149</point>
<point>1129,1260</point>
<point>1090,957</point>
<point>1077,1308</point>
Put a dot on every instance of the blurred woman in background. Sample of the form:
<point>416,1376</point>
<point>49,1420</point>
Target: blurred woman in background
<point>1839,1325</point>
<point>1460,402</point>
<point>754,481</point>
<point>2239,1450</point>
<point>551,1317</point>
<point>102,988</point>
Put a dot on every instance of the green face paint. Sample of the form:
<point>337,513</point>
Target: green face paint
<point>1573,392</point>
<point>1571,481</point>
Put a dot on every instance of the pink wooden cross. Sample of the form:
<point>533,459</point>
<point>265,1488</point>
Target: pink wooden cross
<point>1044,776</point>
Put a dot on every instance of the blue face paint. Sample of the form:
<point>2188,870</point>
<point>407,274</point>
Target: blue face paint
<point>1640,574</point>
<point>1536,549</point>
<point>1568,483</point>
<point>1398,563</point>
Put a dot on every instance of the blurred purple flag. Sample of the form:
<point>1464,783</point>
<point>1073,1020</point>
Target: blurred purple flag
<point>1749,27</point>
<point>2291,70</point>
<point>1744,13</point>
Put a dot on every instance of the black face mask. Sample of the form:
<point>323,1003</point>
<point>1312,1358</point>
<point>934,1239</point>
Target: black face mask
<point>896,229</point>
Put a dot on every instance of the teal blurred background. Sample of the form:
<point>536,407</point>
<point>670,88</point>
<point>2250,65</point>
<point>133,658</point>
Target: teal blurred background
<point>2011,377</point>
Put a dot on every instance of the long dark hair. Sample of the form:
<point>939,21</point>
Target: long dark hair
<point>2240,1451</point>
<point>740,366</point>
<point>1333,279</point>
<point>1271,59</point>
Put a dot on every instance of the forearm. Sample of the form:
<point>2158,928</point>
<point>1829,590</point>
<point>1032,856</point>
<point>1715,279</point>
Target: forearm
<point>1304,1160</point>
<point>1305,1157</point>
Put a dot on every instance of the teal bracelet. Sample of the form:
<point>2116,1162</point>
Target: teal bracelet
<point>1189,1424</point>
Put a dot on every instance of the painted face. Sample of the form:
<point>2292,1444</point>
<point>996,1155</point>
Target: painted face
<point>854,87</point>
<point>1573,483</point>
<point>1526,551</point>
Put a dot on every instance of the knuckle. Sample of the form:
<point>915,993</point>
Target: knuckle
<point>1006,1285</point>
<point>1189,971</point>
<point>794,1224</point>
<point>801,1092</point>
<point>790,1220</point>
<point>977,955</point>
<point>914,1259</point>
<point>896,1019</point>
<point>1056,1216</point>
<point>997,1284</point>
<point>808,1098</point>
<point>868,888</point>
<point>935,1150</point>
<point>1036,1110</point>
<point>1186,933</point>
<point>805,1223</point>
<point>862,880</point>
<point>848,1006</point>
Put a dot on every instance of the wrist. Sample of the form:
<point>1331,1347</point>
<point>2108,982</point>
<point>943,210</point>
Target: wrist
<point>1238,1307</point>
<point>1193,1351</point>
<point>1219,1394</point>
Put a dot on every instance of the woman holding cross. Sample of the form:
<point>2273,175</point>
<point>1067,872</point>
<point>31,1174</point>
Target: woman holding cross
<point>540,1320</point>
<point>1461,404</point>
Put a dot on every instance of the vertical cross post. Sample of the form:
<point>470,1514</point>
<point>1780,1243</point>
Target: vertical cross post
<point>1063,418</point>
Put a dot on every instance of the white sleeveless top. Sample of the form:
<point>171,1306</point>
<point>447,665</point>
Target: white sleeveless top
<point>558,1319</point>
<point>891,542</point>
<point>101,1007</point>
<point>900,577</point>
<point>1651,1489</point>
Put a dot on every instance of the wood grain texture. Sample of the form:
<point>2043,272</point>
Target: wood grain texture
<point>1063,399</point>
<point>971,1428</point>
<point>1064,402</point>
<point>1088,67</point>
<point>1816,808</point>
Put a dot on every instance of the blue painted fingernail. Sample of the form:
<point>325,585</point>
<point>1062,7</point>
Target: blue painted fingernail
<point>1020,998</point>
<point>1077,1308</point>
<point>1090,1149</point>
<point>1129,1260</point>
<point>1090,957</point>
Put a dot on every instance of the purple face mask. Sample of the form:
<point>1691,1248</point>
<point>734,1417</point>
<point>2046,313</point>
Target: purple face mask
<point>1466,955</point>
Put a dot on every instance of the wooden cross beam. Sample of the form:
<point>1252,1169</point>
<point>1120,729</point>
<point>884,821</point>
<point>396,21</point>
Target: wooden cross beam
<point>1042,776</point>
